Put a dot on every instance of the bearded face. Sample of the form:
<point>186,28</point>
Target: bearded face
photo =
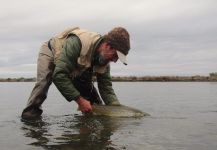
<point>102,61</point>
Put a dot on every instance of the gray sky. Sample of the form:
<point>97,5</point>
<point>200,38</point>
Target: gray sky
<point>168,37</point>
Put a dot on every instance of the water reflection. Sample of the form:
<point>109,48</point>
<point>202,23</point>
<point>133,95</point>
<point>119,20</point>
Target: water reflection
<point>71,132</point>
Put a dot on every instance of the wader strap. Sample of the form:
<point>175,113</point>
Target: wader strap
<point>49,45</point>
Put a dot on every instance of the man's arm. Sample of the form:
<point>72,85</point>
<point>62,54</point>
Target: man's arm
<point>105,88</point>
<point>66,63</point>
<point>61,76</point>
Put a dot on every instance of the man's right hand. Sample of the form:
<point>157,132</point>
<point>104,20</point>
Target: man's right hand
<point>84,105</point>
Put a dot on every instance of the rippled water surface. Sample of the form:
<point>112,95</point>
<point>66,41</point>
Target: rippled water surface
<point>183,117</point>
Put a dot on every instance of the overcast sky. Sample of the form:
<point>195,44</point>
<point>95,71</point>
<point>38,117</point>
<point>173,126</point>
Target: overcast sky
<point>168,37</point>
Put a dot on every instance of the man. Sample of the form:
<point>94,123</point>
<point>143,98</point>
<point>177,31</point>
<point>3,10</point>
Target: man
<point>71,59</point>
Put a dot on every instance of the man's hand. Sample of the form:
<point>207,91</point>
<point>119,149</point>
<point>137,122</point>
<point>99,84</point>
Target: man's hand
<point>84,105</point>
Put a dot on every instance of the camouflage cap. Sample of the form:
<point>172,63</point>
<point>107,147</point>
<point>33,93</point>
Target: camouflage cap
<point>119,39</point>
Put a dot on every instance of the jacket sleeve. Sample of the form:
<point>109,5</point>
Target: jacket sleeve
<point>66,63</point>
<point>105,87</point>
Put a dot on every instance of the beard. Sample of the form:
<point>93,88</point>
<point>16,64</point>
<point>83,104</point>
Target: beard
<point>102,61</point>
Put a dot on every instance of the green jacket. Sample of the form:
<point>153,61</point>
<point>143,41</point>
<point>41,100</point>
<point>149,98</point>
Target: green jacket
<point>67,63</point>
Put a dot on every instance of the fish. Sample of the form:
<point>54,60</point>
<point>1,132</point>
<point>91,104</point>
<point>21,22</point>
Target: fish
<point>117,111</point>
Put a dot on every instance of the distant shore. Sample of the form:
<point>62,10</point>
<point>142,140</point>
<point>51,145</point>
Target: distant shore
<point>196,78</point>
<point>166,79</point>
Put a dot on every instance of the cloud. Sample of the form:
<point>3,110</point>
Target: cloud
<point>26,70</point>
<point>167,37</point>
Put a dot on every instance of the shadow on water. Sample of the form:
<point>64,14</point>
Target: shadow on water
<point>71,132</point>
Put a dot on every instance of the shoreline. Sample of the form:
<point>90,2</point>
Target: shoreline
<point>196,78</point>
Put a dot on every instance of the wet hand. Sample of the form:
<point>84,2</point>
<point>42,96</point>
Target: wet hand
<point>84,105</point>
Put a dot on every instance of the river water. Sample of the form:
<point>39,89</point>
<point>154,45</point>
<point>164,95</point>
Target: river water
<point>183,117</point>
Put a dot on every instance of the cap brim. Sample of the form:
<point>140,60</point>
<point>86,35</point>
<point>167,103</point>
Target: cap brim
<point>122,57</point>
